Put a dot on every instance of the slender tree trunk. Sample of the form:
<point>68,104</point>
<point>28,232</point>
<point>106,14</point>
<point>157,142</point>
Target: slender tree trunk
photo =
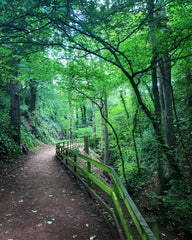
<point>77,119</point>
<point>106,150</point>
<point>94,126</point>
<point>83,115</point>
<point>71,120</point>
<point>124,105</point>
<point>134,140</point>
<point>155,90</point>
<point>166,102</point>
<point>102,134</point>
<point>15,109</point>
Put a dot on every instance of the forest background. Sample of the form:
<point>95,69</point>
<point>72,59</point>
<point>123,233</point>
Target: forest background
<point>119,72</point>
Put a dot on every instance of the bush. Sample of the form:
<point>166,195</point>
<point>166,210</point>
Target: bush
<point>176,205</point>
<point>8,148</point>
<point>136,179</point>
<point>81,132</point>
<point>28,139</point>
<point>45,129</point>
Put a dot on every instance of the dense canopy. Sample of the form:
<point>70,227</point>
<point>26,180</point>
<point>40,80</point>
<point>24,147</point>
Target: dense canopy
<point>117,71</point>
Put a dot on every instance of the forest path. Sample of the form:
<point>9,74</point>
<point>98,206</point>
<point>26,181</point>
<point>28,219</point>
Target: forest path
<point>40,201</point>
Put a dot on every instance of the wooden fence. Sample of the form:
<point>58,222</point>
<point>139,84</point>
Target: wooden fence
<point>82,166</point>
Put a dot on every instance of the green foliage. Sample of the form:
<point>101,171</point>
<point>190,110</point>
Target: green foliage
<point>28,139</point>
<point>8,148</point>
<point>136,179</point>
<point>148,146</point>
<point>175,205</point>
<point>81,132</point>
<point>45,129</point>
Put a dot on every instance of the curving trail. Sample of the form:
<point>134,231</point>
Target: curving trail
<point>40,201</point>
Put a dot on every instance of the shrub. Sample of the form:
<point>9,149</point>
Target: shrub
<point>8,148</point>
<point>28,139</point>
<point>176,205</point>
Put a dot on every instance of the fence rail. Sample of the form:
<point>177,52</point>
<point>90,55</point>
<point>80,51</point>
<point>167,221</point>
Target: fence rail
<point>116,191</point>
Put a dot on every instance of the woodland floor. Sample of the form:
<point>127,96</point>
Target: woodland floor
<point>41,201</point>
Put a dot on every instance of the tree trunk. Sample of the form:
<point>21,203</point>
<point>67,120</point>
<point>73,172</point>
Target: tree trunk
<point>71,120</point>
<point>94,126</point>
<point>155,90</point>
<point>134,140</point>
<point>83,115</point>
<point>167,108</point>
<point>106,149</point>
<point>77,119</point>
<point>15,109</point>
<point>102,134</point>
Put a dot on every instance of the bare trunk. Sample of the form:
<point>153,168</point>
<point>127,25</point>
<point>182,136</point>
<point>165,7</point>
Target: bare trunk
<point>71,120</point>
<point>83,115</point>
<point>102,133</point>
<point>15,109</point>
<point>155,90</point>
<point>167,108</point>
<point>134,140</point>
<point>166,100</point>
<point>94,126</point>
<point>106,150</point>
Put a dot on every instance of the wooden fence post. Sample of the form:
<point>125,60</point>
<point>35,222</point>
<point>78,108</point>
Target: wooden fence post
<point>89,170</point>
<point>75,160</point>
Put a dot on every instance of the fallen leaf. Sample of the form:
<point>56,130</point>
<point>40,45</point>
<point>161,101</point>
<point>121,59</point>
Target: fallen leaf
<point>92,237</point>
<point>8,215</point>
<point>39,225</point>
<point>163,234</point>
<point>49,222</point>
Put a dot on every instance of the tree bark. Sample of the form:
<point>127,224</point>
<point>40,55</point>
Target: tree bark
<point>71,120</point>
<point>106,149</point>
<point>94,126</point>
<point>134,140</point>
<point>15,109</point>
<point>83,115</point>
<point>155,91</point>
<point>102,132</point>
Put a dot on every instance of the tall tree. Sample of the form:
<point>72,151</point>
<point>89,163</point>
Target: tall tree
<point>15,106</point>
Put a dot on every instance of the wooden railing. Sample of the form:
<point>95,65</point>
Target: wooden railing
<point>82,168</point>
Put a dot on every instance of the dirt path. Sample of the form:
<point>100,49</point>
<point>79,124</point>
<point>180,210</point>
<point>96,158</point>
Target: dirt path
<point>39,201</point>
